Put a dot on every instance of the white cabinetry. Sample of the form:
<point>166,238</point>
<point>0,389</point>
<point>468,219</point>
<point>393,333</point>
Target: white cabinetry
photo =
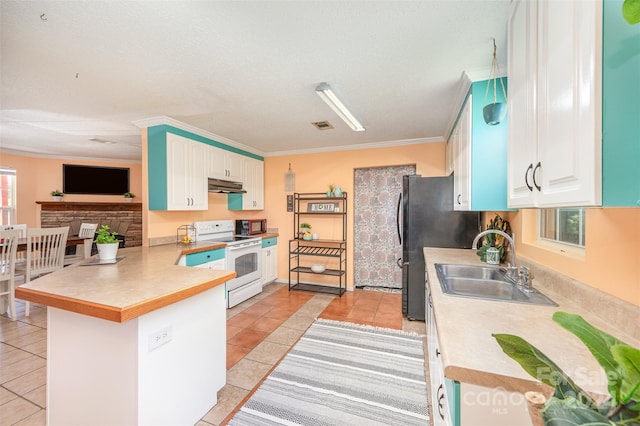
<point>269,261</point>
<point>455,403</point>
<point>253,199</point>
<point>440,414</point>
<point>554,155</point>
<point>225,165</point>
<point>186,178</point>
<point>461,150</point>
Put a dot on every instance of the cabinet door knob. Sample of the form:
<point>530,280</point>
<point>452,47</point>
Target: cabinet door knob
<point>535,172</point>
<point>526,177</point>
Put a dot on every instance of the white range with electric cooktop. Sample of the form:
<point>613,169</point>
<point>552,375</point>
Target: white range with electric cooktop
<point>242,255</point>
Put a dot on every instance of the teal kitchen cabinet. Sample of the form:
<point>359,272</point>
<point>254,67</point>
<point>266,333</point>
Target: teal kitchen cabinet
<point>269,260</point>
<point>180,161</point>
<point>479,154</point>
<point>574,103</point>
<point>620,109</point>
<point>210,259</point>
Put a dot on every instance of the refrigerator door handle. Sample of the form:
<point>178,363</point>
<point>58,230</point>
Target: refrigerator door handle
<point>398,219</point>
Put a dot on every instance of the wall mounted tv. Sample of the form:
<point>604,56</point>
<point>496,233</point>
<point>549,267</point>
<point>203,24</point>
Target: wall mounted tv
<point>77,179</point>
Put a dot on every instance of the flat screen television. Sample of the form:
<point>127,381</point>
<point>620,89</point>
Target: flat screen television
<point>77,179</point>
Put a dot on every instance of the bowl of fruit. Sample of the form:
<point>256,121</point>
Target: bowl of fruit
<point>308,236</point>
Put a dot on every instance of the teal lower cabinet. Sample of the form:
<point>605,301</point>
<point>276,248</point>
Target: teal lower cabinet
<point>478,405</point>
<point>269,260</point>
<point>211,259</point>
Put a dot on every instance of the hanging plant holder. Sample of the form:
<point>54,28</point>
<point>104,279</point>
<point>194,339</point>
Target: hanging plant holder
<point>495,112</point>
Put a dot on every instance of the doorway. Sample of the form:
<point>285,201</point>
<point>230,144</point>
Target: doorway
<point>376,246</point>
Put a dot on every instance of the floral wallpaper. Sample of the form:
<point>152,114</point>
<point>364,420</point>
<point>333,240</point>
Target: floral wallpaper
<point>376,245</point>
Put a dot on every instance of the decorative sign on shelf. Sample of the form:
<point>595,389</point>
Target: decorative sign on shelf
<point>323,207</point>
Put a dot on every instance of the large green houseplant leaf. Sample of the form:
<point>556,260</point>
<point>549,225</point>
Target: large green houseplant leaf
<point>570,405</point>
<point>631,11</point>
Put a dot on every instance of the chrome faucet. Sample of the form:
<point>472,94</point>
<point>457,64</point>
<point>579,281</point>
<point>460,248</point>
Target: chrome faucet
<point>512,268</point>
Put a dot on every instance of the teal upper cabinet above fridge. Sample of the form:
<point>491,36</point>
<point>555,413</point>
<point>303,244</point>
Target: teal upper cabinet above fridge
<point>478,153</point>
<point>180,161</point>
<point>620,108</point>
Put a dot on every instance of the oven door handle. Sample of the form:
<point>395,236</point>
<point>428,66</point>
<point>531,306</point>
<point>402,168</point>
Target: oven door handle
<point>243,246</point>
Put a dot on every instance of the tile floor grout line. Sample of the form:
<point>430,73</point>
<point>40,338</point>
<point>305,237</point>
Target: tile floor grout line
<point>298,307</point>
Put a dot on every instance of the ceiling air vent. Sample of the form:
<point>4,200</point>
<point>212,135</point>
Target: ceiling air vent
<point>322,125</point>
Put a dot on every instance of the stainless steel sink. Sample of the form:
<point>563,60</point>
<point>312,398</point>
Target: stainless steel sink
<point>485,282</point>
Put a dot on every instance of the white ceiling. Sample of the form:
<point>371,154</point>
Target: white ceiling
<point>246,70</point>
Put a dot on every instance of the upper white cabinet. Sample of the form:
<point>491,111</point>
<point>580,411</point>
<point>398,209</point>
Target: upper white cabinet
<point>253,184</point>
<point>554,152</point>
<point>254,180</point>
<point>186,179</point>
<point>225,165</point>
<point>461,149</point>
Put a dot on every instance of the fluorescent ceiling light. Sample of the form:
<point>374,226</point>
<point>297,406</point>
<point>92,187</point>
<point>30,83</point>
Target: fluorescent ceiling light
<point>324,91</point>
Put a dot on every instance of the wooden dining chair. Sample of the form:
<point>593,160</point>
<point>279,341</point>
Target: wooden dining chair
<point>83,251</point>
<point>8,247</point>
<point>45,253</point>
<point>22,227</point>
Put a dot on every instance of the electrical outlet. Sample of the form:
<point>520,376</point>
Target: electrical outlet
<point>160,337</point>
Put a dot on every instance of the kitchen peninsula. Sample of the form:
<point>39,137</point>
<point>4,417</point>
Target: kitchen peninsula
<point>141,341</point>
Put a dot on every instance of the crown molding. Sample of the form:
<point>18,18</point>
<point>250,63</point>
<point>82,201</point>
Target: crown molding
<point>164,120</point>
<point>357,147</point>
<point>30,154</point>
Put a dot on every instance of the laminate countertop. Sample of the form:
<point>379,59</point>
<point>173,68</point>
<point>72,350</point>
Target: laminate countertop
<point>146,279</point>
<point>471,355</point>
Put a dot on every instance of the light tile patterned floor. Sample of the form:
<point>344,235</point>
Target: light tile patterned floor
<point>260,331</point>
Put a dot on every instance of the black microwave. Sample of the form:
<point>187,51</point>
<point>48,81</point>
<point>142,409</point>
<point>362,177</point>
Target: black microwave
<point>251,226</point>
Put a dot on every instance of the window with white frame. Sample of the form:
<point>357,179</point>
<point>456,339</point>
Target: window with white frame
<point>8,196</point>
<point>563,225</point>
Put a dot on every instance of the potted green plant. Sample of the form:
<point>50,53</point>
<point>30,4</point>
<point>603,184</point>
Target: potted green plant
<point>129,196</point>
<point>57,195</point>
<point>495,240</point>
<point>332,188</point>
<point>571,405</point>
<point>305,230</point>
<point>107,243</point>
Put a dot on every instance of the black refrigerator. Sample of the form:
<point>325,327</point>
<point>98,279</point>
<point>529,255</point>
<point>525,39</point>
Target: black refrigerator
<point>426,219</point>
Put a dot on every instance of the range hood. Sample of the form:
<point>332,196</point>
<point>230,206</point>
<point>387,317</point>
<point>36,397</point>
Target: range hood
<point>225,186</point>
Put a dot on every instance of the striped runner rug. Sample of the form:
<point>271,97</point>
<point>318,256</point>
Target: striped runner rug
<point>344,374</point>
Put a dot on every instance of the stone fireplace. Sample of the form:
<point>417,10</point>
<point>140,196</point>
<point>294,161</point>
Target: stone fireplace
<point>123,218</point>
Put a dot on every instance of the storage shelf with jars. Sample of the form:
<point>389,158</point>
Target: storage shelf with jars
<point>316,264</point>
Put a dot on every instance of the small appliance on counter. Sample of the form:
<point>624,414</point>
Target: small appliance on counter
<point>251,226</point>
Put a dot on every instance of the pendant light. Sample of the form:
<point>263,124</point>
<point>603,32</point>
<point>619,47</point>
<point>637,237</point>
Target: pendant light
<point>289,180</point>
<point>494,113</point>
